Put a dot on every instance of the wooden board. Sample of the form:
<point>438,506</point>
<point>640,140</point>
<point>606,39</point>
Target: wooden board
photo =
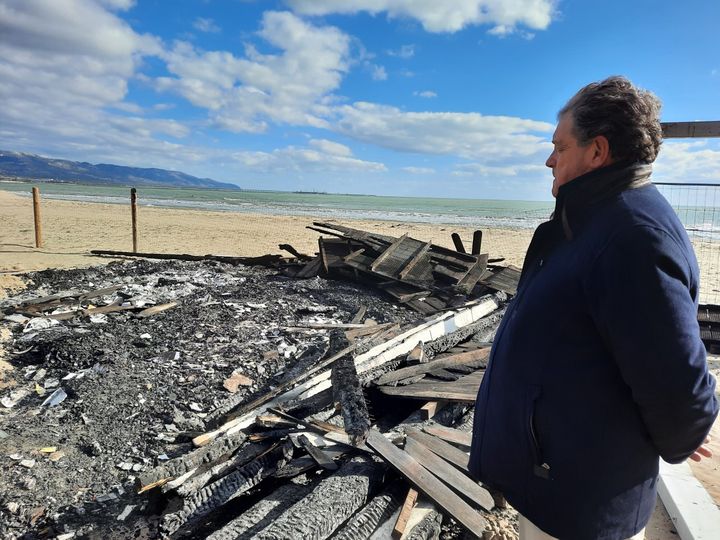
<point>463,390</point>
<point>505,280</point>
<point>477,358</point>
<point>456,480</point>
<point>690,129</point>
<point>455,436</point>
<point>402,519</point>
<point>451,454</point>
<point>427,483</point>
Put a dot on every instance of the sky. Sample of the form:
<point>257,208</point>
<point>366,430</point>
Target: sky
<point>428,98</point>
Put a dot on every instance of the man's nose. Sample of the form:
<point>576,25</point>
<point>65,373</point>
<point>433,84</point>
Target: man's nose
<point>550,162</point>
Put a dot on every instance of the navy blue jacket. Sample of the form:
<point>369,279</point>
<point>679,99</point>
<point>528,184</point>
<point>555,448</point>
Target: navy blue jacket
<point>597,368</point>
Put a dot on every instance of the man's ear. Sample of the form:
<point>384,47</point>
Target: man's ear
<point>600,156</point>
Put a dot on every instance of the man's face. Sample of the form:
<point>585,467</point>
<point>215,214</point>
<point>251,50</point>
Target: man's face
<point>568,160</point>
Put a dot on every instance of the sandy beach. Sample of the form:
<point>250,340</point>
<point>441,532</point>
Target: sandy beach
<point>72,229</point>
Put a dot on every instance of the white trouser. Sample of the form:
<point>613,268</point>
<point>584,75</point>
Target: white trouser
<point>528,531</point>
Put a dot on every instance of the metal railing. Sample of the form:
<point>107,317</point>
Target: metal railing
<point>698,207</point>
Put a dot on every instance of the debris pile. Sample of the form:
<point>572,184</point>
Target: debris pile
<point>201,399</point>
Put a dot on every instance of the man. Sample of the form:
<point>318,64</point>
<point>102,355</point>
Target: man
<point>597,368</point>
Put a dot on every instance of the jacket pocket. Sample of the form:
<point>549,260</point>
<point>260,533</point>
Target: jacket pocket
<point>540,468</point>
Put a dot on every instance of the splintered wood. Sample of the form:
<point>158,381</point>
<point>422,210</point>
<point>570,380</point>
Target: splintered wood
<point>426,277</point>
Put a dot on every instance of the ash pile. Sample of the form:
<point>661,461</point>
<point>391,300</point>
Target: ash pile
<point>201,399</point>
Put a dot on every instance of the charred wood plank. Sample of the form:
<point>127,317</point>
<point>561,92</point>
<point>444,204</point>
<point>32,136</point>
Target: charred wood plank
<point>262,514</point>
<point>329,504</point>
<point>477,358</point>
<point>264,260</point>
<point>190,461</point>
<point>348,393</point>
<point>363,524</point>
<point>212,497</point>
<point>427,483</point>
<point>477,242</point>
<point>320,457</point>
<point>457,241</point>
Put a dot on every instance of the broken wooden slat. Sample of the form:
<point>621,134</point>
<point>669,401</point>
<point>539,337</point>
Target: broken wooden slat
<point>358,317</point>
<point>468,282</point>
<point>320,457</point>
<point>451,454</point>
<point>402,520</point>
<point>456,480</point>
<point>505,280</point>
<point>427,483</point>
<point>477,358</point>
<point>448,434</point>
<point>404,292</point>
<point>154,310</point>
<point>264,260</point>
<point>294,252</point>
<point>464,389</point>
<point>311,269</point>
<point>444,375</point>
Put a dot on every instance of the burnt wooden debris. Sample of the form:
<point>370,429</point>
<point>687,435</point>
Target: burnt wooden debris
<point>332,448</point>
<point>327,466</point>
<point>424,276</point>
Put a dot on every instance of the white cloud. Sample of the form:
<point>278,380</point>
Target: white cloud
<point>331,147</point>
<point>379,73</point>
<point>418,170</point>
<point>425,94</point>
<point>468,135</point>
<point>693,161</point>
<point>405,51</point>
<point>64,67</point>
<point>206,25</point>
<point>303,160</point>
<point>445,15</point>
<point>515,169</point>
<point>243,94</point>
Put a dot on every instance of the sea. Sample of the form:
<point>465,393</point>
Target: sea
<point>697,206</point>
<point>478,213</point>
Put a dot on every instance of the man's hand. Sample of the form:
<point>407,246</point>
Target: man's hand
<point>701,452</point>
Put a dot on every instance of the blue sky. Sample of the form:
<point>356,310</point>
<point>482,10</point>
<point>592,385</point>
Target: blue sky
<point>453,98</point>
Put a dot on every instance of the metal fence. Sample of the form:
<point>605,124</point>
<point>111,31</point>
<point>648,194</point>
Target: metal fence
<point>698,206</point>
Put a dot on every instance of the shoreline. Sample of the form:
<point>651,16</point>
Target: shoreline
<point>71,229</point>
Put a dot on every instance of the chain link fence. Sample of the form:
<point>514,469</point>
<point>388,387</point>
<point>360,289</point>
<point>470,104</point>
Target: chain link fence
<point>698,206</point>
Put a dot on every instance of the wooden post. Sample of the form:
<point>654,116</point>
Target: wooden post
<point>38,221</point>
<point>133,211</point>
<point>477,243</point>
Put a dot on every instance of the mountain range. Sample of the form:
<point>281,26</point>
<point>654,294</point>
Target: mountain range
<point>61,170</point>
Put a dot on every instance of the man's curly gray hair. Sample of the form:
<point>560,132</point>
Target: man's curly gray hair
<point>629,117</point>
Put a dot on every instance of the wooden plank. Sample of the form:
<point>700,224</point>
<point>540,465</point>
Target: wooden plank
<point>451,454</point>
<point>404,292</point>
<point>359,315</point>
<point>388,254</point>
<point>690,129</point>
<point>418,267</point>
<point>456,480</point>
<point>154,310</point>
<point>320,457</point>
<point>431,391</point>
<point>452,435</point>
<point>505,280</point>
<point>417,355</point>
<point>444,375</point>
<point>323,255</point>
<point>467,283</point>
<point>427,483</point>
<point>421,307</point>
<point>402,520</point>
<point>477,357</point>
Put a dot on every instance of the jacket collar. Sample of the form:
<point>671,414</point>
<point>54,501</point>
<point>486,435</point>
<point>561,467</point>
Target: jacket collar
<point>582,193</point>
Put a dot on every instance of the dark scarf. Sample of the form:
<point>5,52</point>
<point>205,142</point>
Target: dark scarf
<point>578,195</point>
